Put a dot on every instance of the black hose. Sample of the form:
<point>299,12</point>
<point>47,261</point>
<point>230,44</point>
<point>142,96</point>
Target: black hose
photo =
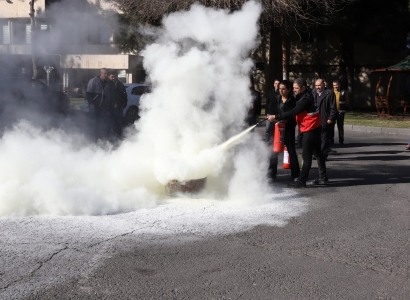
<point>260,122</point>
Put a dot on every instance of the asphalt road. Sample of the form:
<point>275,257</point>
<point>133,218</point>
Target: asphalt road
<point>350,241</point>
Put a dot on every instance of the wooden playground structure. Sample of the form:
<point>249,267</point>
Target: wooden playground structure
<point>393,95</point>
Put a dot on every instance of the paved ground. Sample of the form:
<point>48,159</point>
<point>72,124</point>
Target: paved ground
<point>347,240</point>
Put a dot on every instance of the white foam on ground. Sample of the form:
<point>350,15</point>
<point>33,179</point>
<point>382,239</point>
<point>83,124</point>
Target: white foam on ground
<point>38,252</point>
<point>173,217</point>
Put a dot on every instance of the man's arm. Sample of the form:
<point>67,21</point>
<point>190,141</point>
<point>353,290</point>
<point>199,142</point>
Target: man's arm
<point>347,99</point>
<point>90,95</point>
<point>332,107</point>
<point>301,105</point>
<point>123,96</point>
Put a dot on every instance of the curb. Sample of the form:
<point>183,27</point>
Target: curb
<point>383,130</point>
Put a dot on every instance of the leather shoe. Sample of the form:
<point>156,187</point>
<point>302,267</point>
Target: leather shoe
<point>297,184</point>
<point>320,181</point>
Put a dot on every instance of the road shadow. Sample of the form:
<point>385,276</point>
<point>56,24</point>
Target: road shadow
<point>354,145</point>
<point>389,156</point>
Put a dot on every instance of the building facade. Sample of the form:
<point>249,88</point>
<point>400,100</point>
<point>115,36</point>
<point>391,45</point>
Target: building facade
<point>75,38</point>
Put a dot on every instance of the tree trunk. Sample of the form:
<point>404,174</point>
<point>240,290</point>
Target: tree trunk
<point>274,67</point>
<point>285,57</point>
<point>33,39</point>
<point>347,66</point>
<point>275,57</point>
<point>318,64</point>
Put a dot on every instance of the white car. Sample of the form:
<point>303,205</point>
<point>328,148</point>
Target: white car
<point>134,93</point>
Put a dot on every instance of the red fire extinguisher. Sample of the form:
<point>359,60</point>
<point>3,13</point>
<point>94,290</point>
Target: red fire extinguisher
<point>286,159</point>
<point>279,137</point>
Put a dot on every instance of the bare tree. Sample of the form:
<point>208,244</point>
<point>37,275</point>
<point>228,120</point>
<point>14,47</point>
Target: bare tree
<point>283,13</point>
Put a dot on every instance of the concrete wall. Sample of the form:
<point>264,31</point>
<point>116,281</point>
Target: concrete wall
<point>19,8</point>
<point>74,61</point>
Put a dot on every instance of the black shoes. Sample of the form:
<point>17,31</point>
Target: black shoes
<point>320,181</point>
<point>297,184</point>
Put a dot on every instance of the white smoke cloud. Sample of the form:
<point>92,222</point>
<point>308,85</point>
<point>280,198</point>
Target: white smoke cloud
<point>199,66</point>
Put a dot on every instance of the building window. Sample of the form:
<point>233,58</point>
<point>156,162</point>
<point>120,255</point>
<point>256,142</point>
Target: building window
<point>21,33</point>
<point>4,33</point>
<point>122,76</point>
<point>43,33</point>
<point>105,34</point>
<point>28,34</point>
<point>71,34</point>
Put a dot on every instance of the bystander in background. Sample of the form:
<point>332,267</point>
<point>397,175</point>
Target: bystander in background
<point>272,95</point>
<point>118,102</point>
<point>98,96</point>
<point>255,108</point>
<point>325,99</point>
<point>342,103</point>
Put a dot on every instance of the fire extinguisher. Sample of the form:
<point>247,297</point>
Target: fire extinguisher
<point>279,137</point>
<point>286,158</point>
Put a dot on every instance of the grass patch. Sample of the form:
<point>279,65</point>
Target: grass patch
<point>360,118</point>
<point>76,100</point>
<point>368,118</point>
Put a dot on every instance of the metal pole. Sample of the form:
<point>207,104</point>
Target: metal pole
<point>48,70</point>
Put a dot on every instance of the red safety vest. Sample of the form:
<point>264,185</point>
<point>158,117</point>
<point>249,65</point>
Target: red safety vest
<point>308,121</point>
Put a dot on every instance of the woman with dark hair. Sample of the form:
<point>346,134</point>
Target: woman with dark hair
<point>282,103</point>
<point>307,116</point>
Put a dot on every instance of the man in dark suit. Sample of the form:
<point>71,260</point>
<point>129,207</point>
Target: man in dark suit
<point>325,99</point>
<point>118,102</point>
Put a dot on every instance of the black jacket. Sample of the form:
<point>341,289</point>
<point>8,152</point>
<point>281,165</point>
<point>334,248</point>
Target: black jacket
<point>256,107</point>
<point>276,108</point>
<point>304,102</point>
<point>118,97</point>
<point>272,94</point>
<point>327,105</point>
<point>98,93</point>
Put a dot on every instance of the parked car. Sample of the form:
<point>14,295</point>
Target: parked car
<point>23,92</point>
<point>134,93</point>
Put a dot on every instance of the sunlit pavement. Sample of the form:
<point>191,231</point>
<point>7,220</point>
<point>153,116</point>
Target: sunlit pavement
<point>349,239</point>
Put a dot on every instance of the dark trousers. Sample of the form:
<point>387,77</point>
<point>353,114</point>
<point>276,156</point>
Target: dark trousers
<point>311,143</point>
<point>269,130</point>
<point>326,134</point>
<point>299,138</point>
<point>102,123</point>
<point>340,121</point>
<point>294,164</point>
<point>331,135</point>
<point>116,120</point>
